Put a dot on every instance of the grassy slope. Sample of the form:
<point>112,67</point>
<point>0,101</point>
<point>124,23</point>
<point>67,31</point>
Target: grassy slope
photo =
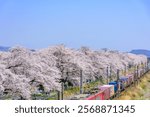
<point>138,92</point>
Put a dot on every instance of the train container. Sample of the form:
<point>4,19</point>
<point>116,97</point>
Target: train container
<point>116,85</point>
<point>141,72</point>
<point>124,81</point>
<point>122,86</point>
<point>131,76</point>
<point>111,88</point>
<point>107,91</point>
<point>97,96</point>
<point>130,79</point>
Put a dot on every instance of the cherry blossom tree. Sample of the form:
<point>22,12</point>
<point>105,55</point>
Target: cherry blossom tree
<point>24,72</point>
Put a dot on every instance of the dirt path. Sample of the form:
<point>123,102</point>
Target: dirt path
<point>138,92</point>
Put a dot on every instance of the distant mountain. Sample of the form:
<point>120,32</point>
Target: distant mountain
<point>4,48</point>
<point>140,51</point>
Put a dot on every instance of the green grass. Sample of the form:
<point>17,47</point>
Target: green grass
<point>42,96</point>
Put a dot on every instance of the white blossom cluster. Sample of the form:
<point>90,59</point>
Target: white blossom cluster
<point>23,71</point>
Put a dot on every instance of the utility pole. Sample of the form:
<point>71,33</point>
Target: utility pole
<point>107,74</point>
<point>81,82</point>
<point>125,70</point>
<point>110,72</point>
<point>137,74</point>
<point>62,90</point>
<point>137,71</point>
<point>58,93</point>
<point>118,83</point>
<point>146,66</point>
<point>118,74</point>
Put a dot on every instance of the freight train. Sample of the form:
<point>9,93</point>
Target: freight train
<point>114,88</point>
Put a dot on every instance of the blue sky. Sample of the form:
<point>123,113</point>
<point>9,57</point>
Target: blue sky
<point>116,24</point>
